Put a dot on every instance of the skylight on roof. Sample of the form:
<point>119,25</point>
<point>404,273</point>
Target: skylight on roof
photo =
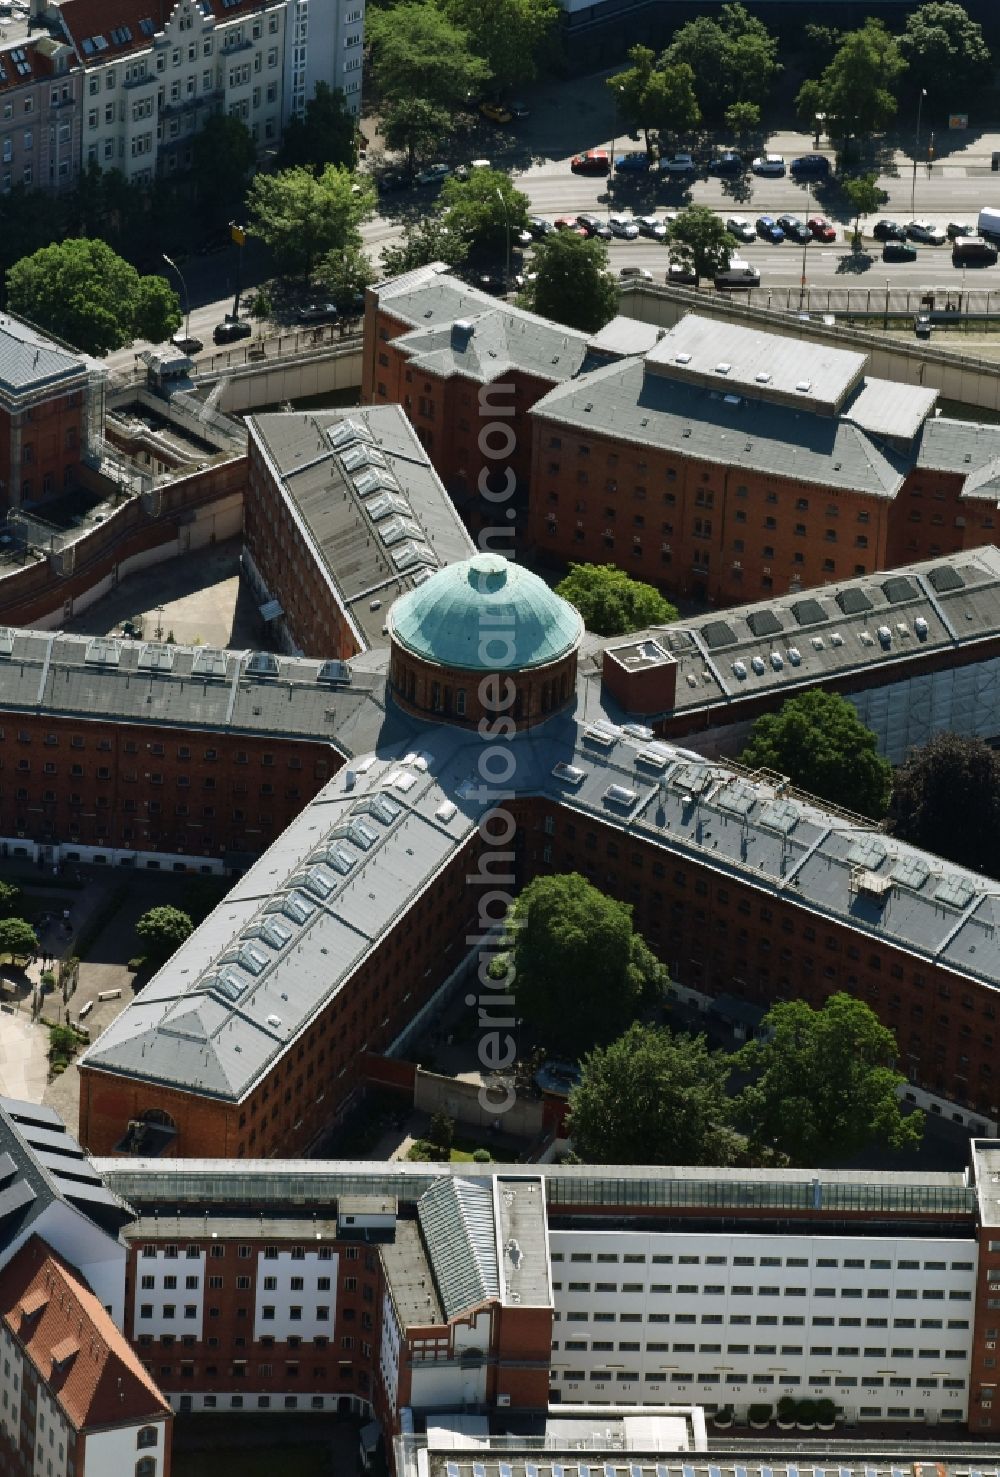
<point>146,26</point>
<point>867,851</point>
<point>911,872</point>
<point>334,671</point>
<point>386,503</point>
<point>621,795</point>
<point>155,656</point>
<point>362,835</point>
<point>6,641</point>
<point>103,651</point>
<point>954,891</point>
<point>654,757</point>
<point>396,529</point>
<point>404,556</point>
<point>780,815</point>
<point>604,734</point>
<point>298,907</point>
<point>209,662</point>
<point>252,959</point>
<point>384,808</point>
<point>263,664</point>
<point>357,457</point>
<point>569,774</point>
<point>275,933</point>
<point>340,859</point>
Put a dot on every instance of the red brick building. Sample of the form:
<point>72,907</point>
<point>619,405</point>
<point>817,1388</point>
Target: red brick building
<point>46,414</point>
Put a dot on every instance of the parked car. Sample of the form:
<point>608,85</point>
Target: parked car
<point>636,162</point>
<point>954,229</point>
<point>518,110</point>
<point>795,229</point>
<point>924,231</point>
<point>633,274</point>
<point>433,174</point>
<point>523,237</point>
<point>187,344</point>
<point>741,228</point>
<point>567,223</point>
<point>727,163</point>
<point>231,330</point>
<point>885,230</point>
<point>594,161</point>
<point>899,251</point>
<point>539,226</point>
<point>625,227</point>
<point>653,227</point>
<point>593,226</point>
<point>680,276</point>
<point>394,179</point>
<point>463,171</point>
<point>496,113</point>
<point>769,230</point>
<point>679,164</point>
<point>821,228</point>
<point>773,164</point>
<point>811,166</point>
<point>317,313</point>
<point>973,250</point>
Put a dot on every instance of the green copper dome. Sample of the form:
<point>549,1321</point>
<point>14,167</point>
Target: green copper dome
<point>485,615</point>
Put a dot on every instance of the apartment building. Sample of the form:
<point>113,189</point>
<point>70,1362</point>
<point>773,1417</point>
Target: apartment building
<point>48,397</point>
<point>41,86</point>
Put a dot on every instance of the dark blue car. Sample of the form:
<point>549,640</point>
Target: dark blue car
<point>635,163</point>
<point>811,166</point>
<point>769,230</point>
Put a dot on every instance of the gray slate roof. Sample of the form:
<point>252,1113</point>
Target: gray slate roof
<point>293,931</point>
<point>629,401</point>
<point>40,1162</point>
<point>29,360</point>
<point>833,630</point>
<point>958,446</point>
<point>371,506</point>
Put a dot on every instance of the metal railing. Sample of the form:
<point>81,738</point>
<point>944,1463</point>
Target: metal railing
<point>286,344</point>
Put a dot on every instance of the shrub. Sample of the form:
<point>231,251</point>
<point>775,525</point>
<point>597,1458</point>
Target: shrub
<point>787,1406</point>
<point>805,1412</point>
<point>59,1066</point>
<point>482,1156</point>
<point>47,981</point>
<point>136,963</point>
<point>62,1042</point>
<point>760,1414</point>
<point>826,1412</point>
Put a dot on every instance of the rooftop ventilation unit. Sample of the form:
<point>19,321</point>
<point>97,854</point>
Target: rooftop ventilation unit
<point>757,663</point>
<point>334,671</point>
<point>263,664</point>
<point>804,386</point>
<point>682,358</point>
<point>446,811</point>
<point>740,670</point>
<point>763,378</point>
<point>102,651</point>
<point>921,628</point>
<point>795,656</point>
<point>723,368</point>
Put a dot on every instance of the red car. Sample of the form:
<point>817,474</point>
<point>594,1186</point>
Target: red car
<point>569,223</point>
<point>821,228</point>
<point>594,161</point>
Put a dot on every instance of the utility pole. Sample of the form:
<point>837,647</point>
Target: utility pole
<point>916,151</point>
<point>506,222</point>
<point>187,301</point>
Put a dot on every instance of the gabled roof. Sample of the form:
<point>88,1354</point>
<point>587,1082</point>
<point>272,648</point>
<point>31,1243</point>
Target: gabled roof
<point>75,1346</point>
<point>456,1218</point>
<point>491,344</point>
<point>29,360</point>
<point>40,1162</point>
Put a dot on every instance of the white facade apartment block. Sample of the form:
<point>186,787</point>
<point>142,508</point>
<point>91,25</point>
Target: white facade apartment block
<point>54,1439</point>
<point>882,1326</point>
<point>126,1449</point>
<point>323,43</point>
<point>169,1296</point>
<point>296,1294</point>
<point>11,1385</point>
<point>143,108</point>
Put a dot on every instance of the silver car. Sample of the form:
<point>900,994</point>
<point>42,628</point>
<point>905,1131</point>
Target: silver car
<point>626,227</point>
<point>741,228</point>
<point>653,227</point>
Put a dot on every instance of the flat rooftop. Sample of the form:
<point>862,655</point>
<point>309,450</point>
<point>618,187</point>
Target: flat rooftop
<point>522,1242</point>
<point>409,1277</point>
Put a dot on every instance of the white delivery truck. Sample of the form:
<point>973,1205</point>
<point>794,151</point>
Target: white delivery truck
<point>989,223</point>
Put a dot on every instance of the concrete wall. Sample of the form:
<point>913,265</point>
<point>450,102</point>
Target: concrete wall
<point>460,1100</point>
<point>958,376</point>
<point>263,384</point>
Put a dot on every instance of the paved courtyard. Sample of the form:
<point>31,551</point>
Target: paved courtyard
<point>199,597</point>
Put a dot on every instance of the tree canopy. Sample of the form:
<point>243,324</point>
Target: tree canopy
<point>424,240</point>
<point>823,1083</point>
<point>327,134</point>
<point>856,88</point>
<point>820,743</point>
<point>10,899</point>
<point>511,36</point>
<point>734,58</point>
<point>611,602</point>
<point>302,216</point>
<point>699,241</point>
<point>945,51</point>
<point>424,70</point>
<point>478,211</point>
<point>17,938</point>
<point>84,292</point>
<point>653,97</point>
<point>572,284</point>
<point>946,798</point>
<point>652,1097</point>
<point>579,969</point>
<point>865,195</point>
<point>223,157</point>
<point>162,930</point>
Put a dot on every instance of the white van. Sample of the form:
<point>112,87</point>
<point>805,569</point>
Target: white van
<point>989,223</point>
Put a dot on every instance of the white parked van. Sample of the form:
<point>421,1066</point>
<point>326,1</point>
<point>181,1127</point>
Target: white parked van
<point>989,223</point>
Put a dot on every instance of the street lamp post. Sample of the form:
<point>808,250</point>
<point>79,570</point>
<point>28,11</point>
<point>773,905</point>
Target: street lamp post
<point>805,247</point>
<point>506,222</point>
<point>187,301</point>
<point>888,289</point>
<point>239,236</point>
<point>916,151</point>
<point>614,144</point>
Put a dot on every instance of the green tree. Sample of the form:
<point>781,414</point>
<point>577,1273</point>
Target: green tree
<point>86,293</point>
<point>699,241</point>
<point>743,119</point>
<point>223,157</point>
<point>820,743</point>
<point>572,284</point>
<point>819,43</point>
<point>478,211</point>
<point>653,1098</point>
<point>734,58</point>
<point>946,798</point>
<point>856,89</point>
<point>629,91</point>
<point>162,930</point>
<point>442,1132</point>
<point>424,71</point>
<point>511,36</point>
<point>671,102</point>
<point>424,240</point>
<point>865,195</point>
<point>17,938</point>
<point>945,51</point>
<point>823,1083</point>
<point>327,134</point>
<point>10,899</point>
<point>611,602</point>
<point>345,275</point>
<point>579,971</point>
<point>303,216</point>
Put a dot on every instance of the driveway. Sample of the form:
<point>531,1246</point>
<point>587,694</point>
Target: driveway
<point>24,1064</point>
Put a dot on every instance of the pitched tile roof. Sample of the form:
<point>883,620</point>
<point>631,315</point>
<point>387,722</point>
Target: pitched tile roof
<point>74,1344</point>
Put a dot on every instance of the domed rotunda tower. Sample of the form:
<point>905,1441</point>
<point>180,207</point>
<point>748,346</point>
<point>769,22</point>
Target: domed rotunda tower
<point>471,620</point>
